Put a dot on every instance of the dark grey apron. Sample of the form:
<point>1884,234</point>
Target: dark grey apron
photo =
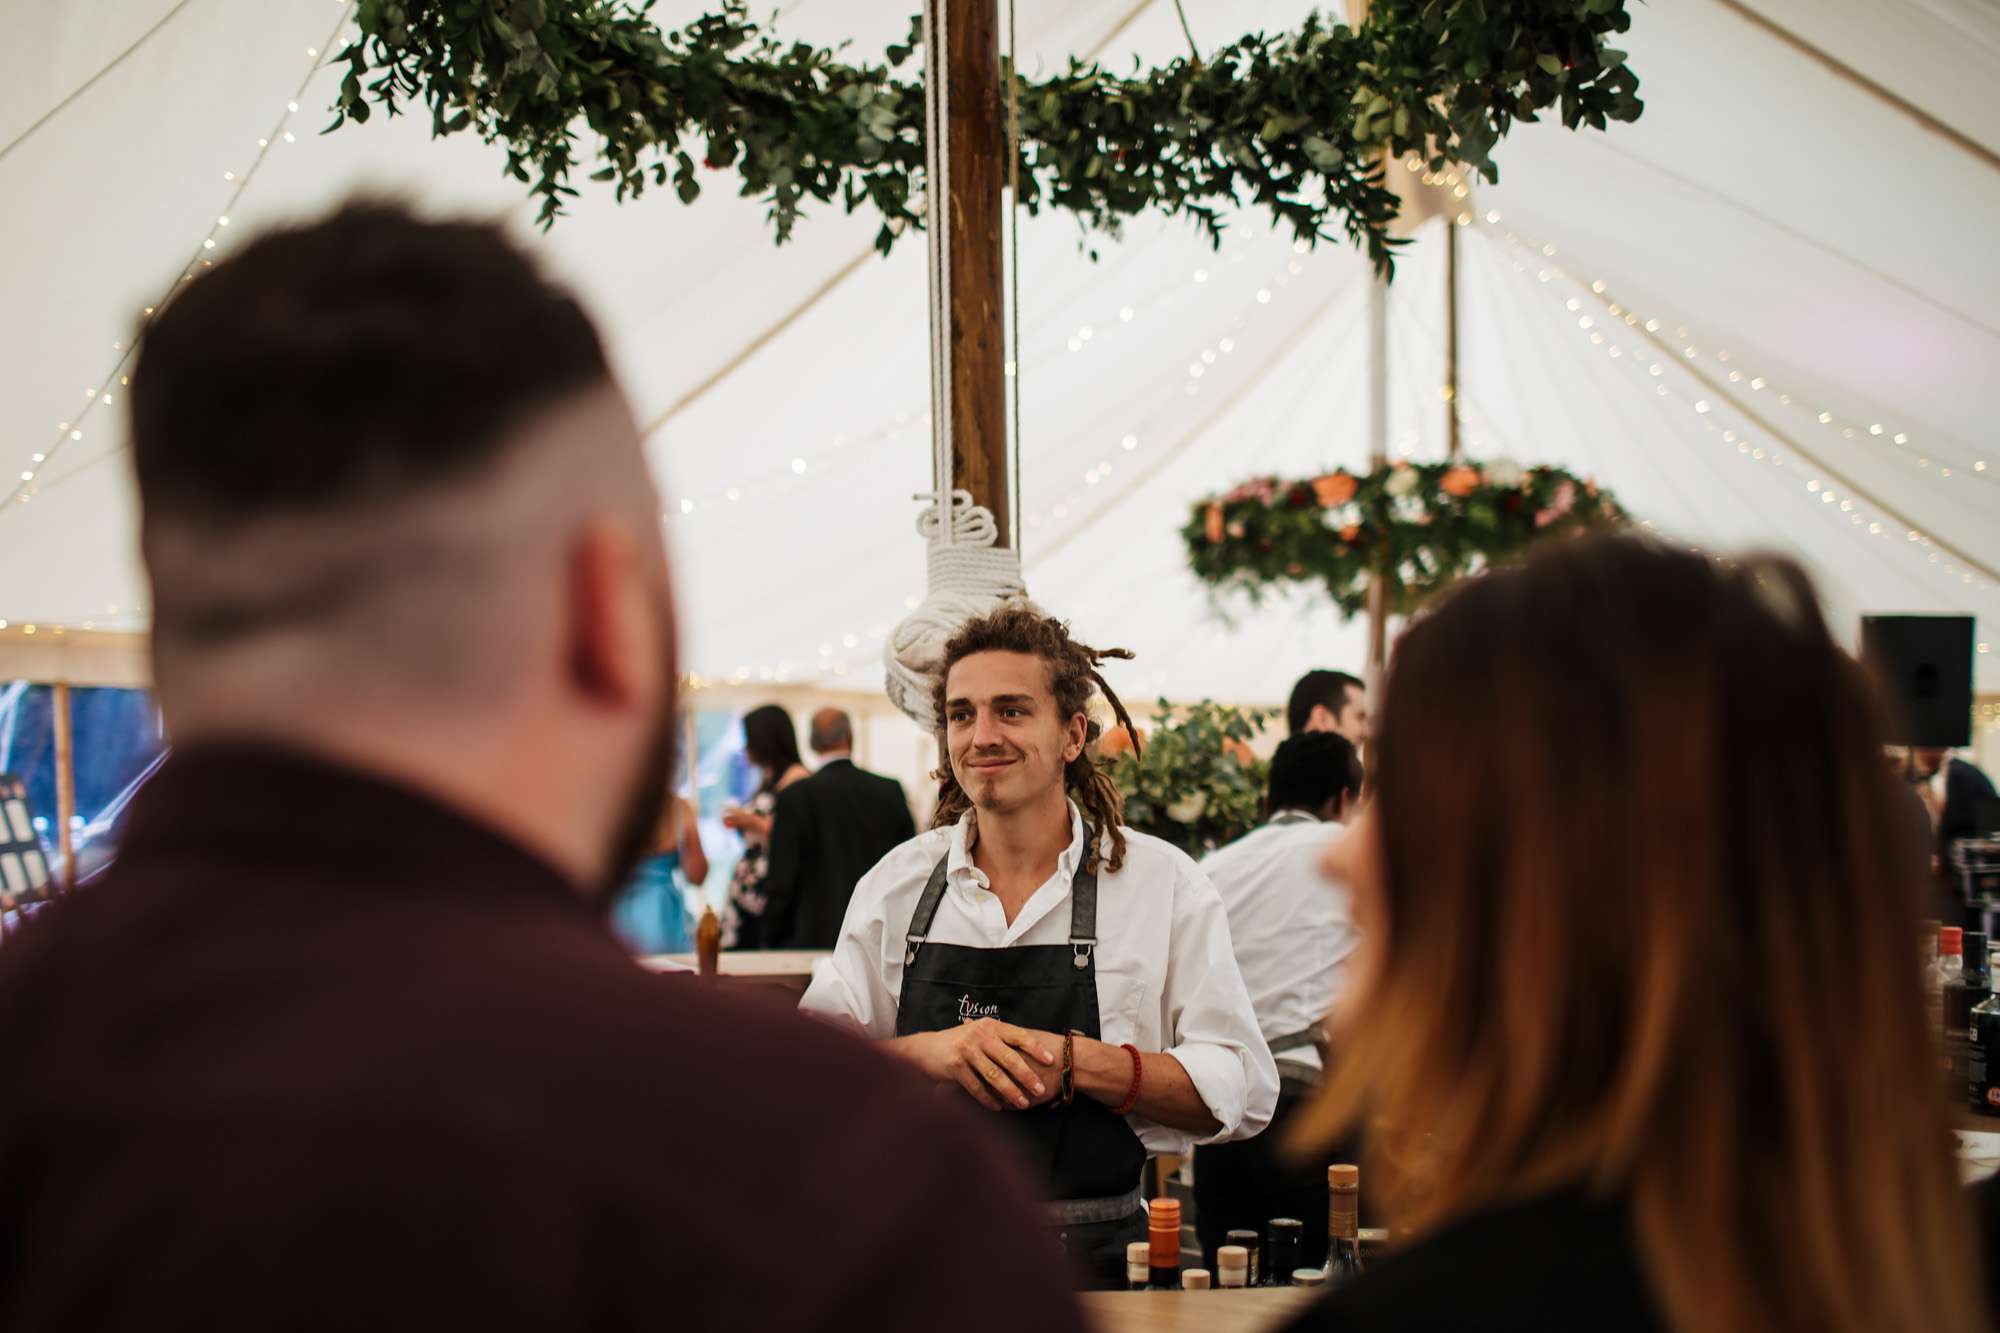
<point>1091,1157</point>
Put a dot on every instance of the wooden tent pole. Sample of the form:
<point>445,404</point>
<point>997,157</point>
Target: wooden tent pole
<point>1378,422</point>
<point>1452,443</point>
<point>976,138</point>
<point>65,748</point>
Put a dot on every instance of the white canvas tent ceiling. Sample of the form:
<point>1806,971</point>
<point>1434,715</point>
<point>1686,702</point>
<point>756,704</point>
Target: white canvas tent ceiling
<point>1831,247</point>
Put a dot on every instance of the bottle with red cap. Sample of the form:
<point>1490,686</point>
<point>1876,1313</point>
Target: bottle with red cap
<point>1949,966</point>
<point>1951,954</point>
<point>1163,1239</point>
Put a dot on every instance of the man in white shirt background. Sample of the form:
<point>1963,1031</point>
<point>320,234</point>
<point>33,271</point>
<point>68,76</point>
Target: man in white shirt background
<point>1293,933</point>
<point>1068,974</point>
<point>1329,701</point>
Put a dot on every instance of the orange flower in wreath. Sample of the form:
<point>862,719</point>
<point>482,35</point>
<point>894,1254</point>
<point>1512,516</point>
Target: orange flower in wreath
<point>1460,481</point>
<point>1114,742</point>
<point>1237,750</point>
<point>1335,488</point>
<point>1213,525</point>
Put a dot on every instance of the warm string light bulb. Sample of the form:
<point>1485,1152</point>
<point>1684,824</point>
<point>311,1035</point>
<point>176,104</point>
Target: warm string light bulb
<point>905,422</point>
<point>1813,486</point>
<point>1759,383</point>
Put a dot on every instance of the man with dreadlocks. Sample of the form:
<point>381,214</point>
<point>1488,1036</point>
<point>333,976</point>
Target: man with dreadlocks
<point>1067,973</point>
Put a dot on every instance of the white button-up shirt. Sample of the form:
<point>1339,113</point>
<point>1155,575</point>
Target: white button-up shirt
<point>1292,927</point>
<point>1166,978</point>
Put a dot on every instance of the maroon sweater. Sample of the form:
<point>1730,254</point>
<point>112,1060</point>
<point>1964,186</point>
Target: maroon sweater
<point>319,1053</point>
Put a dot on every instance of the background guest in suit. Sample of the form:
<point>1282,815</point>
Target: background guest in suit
<point>826,833</point>
<point>1647,1051</point>
<point>1955,792</point>
<point>771,742</point>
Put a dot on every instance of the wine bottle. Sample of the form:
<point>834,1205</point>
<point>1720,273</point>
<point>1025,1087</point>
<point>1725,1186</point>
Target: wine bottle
<point>1343,1224</point>
<point>1232,1266</point>
<point>1163,1233</point>
<point>1138,1265</point>
<point>1252,1246</point>
<point>1284,1249</point>
<point>1982,1052</point>
<point>1961,993</point>
<point>1931,956</point>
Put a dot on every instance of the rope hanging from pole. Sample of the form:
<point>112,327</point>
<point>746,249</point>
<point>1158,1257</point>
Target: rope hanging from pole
<point>969,572</point>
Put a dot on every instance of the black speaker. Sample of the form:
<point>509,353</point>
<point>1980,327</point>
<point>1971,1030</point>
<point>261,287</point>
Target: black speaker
<point>1926,662</point>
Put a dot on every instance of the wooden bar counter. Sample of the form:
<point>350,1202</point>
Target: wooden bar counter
<point>788,969</point>
<point>1195,1311</point>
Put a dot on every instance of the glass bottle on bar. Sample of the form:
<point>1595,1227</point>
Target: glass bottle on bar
<point>1951,944</point>
<point>1232,1266</point>
<point>1253,1246</point>
<point>1931,956</point>
<point>1138,1265</point>
<point>1951,947</point>
<point>1961,993</point>
<point>1284,1250</point>
<point>1343,1224</point>
<point>1982,1061</point>
<point>1163,1235</point>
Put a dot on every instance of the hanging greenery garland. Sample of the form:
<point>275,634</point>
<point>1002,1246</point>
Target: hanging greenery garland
<point>1423,526</point>
<point>1294,123</point>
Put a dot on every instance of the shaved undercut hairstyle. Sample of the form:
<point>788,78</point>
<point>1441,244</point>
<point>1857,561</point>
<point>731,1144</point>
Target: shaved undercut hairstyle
<point>1073,675</point>
<point>292,409</point>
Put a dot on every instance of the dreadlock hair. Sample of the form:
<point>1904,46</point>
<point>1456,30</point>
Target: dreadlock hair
<point>1073,674</point>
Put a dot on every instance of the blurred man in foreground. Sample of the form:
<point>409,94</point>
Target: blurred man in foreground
<point>343,1040</point>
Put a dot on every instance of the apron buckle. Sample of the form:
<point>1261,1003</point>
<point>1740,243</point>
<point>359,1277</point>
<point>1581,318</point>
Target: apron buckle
<point>910,947</point>
<point>1082,954</point>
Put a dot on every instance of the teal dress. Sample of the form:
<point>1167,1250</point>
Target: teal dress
<point>650,914</point>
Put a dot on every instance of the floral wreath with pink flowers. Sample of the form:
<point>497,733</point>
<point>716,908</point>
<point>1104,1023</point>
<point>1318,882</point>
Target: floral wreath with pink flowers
<point>1422,526</point>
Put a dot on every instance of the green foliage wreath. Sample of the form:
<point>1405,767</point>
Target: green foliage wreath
<point>1196,782</point>
<point>1294,123</point>
<point>1421,525</point>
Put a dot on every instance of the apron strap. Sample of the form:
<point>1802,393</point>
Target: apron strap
<point>927,906</point>
<point>1082,911</point>
<point>1293,1077</point>
<point>1312,1036</point>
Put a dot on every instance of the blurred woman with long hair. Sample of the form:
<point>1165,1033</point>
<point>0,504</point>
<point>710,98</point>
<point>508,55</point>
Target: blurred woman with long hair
<point>771,743</point>
<point>1636,1029</point>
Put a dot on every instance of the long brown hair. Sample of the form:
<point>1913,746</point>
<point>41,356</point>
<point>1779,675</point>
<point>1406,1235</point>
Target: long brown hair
<point>1651,924</point>
<point>1073,674</point>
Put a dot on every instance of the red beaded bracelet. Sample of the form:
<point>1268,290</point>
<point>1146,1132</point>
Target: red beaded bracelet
<point>1138,1076</point>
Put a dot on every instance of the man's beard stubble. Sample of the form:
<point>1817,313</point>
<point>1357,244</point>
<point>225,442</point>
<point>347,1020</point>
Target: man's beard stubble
<point>637,831</point>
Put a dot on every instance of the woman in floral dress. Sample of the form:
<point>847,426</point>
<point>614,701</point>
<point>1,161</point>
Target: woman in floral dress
<point>771,742</point>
